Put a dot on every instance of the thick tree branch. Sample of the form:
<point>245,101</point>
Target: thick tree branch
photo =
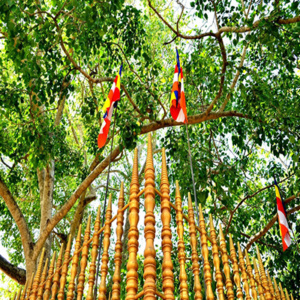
<point>236,77</point>
<point>69,204</point>
<point>15,273</point>
<point>191,120</point>
<point>253,195</point>
<point>224,57</point>
<point>261,233</point>
<point>17,216</point>
<point>235,29</point>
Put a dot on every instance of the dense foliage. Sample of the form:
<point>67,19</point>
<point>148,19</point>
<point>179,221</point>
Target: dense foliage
<point>241,70</point>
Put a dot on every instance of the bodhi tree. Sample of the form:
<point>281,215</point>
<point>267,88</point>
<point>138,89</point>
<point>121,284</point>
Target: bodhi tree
<point>58,61</point>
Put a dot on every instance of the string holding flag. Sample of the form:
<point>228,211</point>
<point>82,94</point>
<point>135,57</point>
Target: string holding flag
<point>282,219</point>
<point>108,107</point>
<point>179,114</point>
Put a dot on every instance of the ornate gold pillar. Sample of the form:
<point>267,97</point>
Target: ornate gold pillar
<point>252,281</point>
<point>133,234</point>
<point>116,288</point>
<point>277,295</point>
<point>166,234</point>
<point>206,267</point>
<point>216,260</point>
<point>84,257</point>
<point>257,277</point>
<point>195,257</point>
<point>149,262</point>
<point>49,278</point>
<point>64,271</point>
<point>74,266</point>
<point>94,254</point>
<point>37,277</point>
<point>228,283</point>
<point>105,257</point>
<point>271,286</point>
<point>236,274</point>
<point>263,276</point>
<point>244,274</point>
<point>184,291</point>
<point>43,278</point>
<point>57,273</point>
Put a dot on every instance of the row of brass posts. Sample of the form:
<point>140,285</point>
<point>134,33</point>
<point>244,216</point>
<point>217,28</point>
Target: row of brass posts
<point>50,283</point>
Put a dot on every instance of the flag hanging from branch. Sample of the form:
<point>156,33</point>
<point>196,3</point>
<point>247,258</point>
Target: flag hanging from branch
<point>282,219</point>
<point>108,107</point>
<point>178,107</point>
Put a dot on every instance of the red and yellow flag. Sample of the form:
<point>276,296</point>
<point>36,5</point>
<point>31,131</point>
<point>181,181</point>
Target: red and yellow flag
<point>177,105</point>
<point>283,224</point>
<point>108,107</point>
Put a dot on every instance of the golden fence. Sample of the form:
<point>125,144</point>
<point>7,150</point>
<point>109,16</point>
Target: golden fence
<point>51,282</point>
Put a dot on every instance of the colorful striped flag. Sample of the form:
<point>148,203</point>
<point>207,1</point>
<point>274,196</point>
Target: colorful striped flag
<point>178,107</point>
<point>282,219</point>
<point>108,107</point>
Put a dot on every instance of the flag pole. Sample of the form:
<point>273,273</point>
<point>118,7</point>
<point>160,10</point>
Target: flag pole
<point>294,236</point>
<point>194,188</point>
<point>105,200</point>
<point>192,171</point>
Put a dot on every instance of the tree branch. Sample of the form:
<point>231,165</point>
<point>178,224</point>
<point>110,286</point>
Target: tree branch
<point>234,29</point>
<point>17,216</point>
<point>261,233</point>
<point>15,273</point>
<point>251,196</point>
<point>69,204</point>
<point>236,77</point>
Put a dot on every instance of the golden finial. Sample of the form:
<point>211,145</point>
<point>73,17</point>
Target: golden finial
<point>206,266</point>
<point>149,232</point>
<point>37,277</point>
<point>83,262</point>
<point>74,266</point>
<point>226,267</point>
<point>166,234</point>
<point>133,234</point>
<point>24,291</point>
<point>292,298</point>
<point>236,275</point>
<point>181,249</point>
<point>105,257</point>
<point>49,278</point>
<point>116,288</point>
<point>195,257</point>
<point>94,253</point>
<point>252,281</point>
<point>56,277</point>
<point>257,277</point>
<point>43,278</point>
<point>244,274</point>
<point>277,292</point>
<point>216,260</point>
<point>19,294</point>
<point>287,296</point>
<point>271,285</point>
<point>28,292</point>
<point>263,276</point>
<point>282,292</point>
<point>64,270</point>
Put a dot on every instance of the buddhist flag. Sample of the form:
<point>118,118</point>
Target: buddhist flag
<point>108,107</point>
<point>283,224</point>
<point>177,105</point>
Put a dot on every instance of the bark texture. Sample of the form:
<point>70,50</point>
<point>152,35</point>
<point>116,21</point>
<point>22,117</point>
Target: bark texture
<point>15,273</point>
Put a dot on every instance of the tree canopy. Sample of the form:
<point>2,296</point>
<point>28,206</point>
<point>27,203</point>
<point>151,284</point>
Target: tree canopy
<point>241,66</point>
